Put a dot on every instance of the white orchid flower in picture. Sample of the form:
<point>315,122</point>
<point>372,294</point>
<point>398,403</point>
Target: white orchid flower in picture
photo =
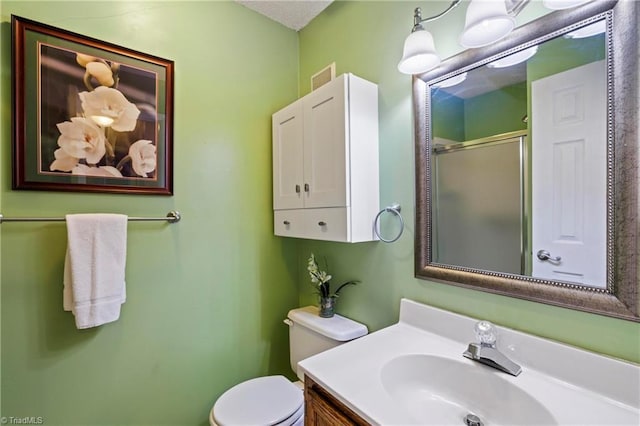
<point>106,118</point>
<point>104,114</point>
<point>80,138</point>
<point>109,108</point>
<point>143,157</point>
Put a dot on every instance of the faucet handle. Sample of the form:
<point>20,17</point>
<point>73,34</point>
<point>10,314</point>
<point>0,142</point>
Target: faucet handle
<point>486,333</point>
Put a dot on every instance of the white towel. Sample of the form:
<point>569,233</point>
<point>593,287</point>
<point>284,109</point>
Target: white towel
<point>94,285</point>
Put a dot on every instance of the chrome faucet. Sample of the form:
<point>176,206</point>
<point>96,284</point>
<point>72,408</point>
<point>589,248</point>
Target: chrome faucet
<point>486,352</point>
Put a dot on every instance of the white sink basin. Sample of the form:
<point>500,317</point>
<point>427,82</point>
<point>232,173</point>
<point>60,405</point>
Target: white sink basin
<point>413,373</point>
<point>440,390</point>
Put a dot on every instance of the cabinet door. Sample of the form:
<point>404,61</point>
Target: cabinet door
<point>322,409</point>
<point>325,146</point>
<point>288,137</point>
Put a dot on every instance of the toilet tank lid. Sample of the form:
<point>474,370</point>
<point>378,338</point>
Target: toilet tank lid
<point>337,327</point>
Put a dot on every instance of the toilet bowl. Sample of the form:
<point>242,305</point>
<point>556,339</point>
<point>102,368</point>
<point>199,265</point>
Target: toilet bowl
<point>270,400</point>
<point>275,400</point>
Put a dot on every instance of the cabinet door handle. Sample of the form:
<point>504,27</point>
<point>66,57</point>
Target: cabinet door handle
<point>306,187</point>
<point>297,189</point>
<point>322,223</point>
<point>287,223</point>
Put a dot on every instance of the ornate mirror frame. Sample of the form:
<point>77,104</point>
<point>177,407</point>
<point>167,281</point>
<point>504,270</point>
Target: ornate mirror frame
<point>621,297</point>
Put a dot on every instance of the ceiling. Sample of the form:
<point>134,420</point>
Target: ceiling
<point>294,14</point>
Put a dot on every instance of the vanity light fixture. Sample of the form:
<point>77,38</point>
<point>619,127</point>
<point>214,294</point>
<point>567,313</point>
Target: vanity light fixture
<point>419,54</point>
<point>486,22</point>
<point>452,81</point>
<point>514,58</point>
<point>588,31</point>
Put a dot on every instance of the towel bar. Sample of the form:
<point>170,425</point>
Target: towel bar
<point>172,217</point>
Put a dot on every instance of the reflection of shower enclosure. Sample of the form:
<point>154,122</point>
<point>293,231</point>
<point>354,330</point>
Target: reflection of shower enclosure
<point>478,202</point>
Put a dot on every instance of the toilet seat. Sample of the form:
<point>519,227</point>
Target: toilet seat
<point>270,400</point>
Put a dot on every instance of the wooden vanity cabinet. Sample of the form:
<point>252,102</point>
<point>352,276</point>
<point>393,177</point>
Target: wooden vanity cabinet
<point>323,409</point>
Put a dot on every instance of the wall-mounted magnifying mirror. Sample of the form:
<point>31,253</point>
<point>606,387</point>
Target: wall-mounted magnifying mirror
<point>526,163</point>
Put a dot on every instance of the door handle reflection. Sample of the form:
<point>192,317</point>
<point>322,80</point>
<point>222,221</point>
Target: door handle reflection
<point>545,255</point>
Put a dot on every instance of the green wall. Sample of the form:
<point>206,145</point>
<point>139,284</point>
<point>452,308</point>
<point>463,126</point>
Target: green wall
<point>489,114</point>
<point>496,112</point>
<point>206,297</point>
<point>450,110</point>
<point>366,38</point>
<point>562,54</point>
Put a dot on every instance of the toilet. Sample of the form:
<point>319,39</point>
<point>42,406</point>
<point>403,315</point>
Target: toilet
<point>275,400</point>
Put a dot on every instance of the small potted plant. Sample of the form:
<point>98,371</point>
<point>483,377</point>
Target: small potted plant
<point>322,282</point>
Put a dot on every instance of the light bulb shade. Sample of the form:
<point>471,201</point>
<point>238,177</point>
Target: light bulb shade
<point>452,81</point>
<point>562,4</point>
<point>514,58</point>
<point>487,21</point>
<point>588,31</point>
<point>419,53</point>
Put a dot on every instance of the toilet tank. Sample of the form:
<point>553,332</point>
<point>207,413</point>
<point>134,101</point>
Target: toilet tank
<point>309,334</point>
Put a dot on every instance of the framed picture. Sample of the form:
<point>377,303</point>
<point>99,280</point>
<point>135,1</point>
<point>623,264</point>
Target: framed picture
<point>89,115</point>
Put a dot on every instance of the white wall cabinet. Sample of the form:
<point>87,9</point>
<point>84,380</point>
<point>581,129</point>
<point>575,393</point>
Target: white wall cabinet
<point>325,163</point>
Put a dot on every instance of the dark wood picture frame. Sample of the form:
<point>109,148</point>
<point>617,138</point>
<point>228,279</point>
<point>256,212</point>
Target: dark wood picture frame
<point>89,115</point>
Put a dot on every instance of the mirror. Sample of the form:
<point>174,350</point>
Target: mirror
<point>517,145</point>
<point>526,163</point>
